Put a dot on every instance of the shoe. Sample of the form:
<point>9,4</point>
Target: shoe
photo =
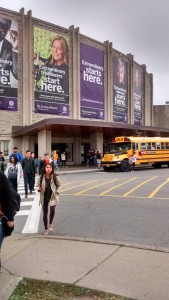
<point>26,195</point>
<point>50,228</point>
<point>46,232</point>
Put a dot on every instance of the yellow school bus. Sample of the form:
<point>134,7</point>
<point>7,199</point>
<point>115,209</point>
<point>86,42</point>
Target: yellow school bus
<point>149,150</point>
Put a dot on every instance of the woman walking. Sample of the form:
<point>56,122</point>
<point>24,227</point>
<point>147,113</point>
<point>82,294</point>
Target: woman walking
<point>14,172</point>
<point>49,187</point>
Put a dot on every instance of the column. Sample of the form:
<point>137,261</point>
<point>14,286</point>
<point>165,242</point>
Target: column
<point>44,142</point>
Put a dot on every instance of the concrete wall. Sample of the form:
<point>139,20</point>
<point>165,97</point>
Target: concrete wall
<point>26,112</point>
<point>161,116</point>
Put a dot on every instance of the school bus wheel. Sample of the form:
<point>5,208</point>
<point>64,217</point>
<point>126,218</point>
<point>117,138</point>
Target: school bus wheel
<point>125,166</point>
<point>156,165</point>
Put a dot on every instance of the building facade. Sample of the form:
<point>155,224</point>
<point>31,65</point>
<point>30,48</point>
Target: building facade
<point>68,92</point>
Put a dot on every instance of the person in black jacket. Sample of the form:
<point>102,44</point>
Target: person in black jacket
<point>28,173</point>
<point>6,206</point>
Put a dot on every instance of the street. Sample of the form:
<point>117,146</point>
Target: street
<point>124,208</point>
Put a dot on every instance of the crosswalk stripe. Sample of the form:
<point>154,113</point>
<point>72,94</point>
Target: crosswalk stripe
<point>27,203</point>
<point>23,213</point>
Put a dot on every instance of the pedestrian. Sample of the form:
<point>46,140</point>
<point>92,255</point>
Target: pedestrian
<point>17,154</point>
<point>49,186</point>
<point>98,158</point>
<point>44,161</point>
<point>14,172</point>
<point>63,159</point>
<point>132,161</point>
<point>6,208</point>
<point>2,161</point>
<point>28,172</point>
<point>55,159</point>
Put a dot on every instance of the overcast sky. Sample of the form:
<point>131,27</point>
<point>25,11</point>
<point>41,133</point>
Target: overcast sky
<point>139,27</point>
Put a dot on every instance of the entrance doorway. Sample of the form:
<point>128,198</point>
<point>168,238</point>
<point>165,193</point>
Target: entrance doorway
<point>63,147</point>
<point>85,147</point>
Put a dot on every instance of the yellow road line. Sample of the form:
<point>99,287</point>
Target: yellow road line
<point>128,193</point>
<point>113,188</point>
<point>116,196</point>
<point>73,187</point>
<point>158,188</point>
<point>90,188</point>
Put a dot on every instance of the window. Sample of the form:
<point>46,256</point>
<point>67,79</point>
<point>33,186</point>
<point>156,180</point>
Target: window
<point>143,146</point>
<point>149,146</point>
<point>167,145</point>
<point>162,145</point>
<point>4,147</point>
<point>153,146</point>
<point>158,146</point>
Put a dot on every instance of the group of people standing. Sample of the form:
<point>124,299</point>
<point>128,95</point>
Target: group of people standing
<point>48,185</point>
<point>94,158</point>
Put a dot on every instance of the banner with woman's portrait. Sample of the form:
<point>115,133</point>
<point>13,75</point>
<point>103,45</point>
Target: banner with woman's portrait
<point>120,90</point>
<point>51,72</point>
<point>8,64</point>
<point>137,94</point>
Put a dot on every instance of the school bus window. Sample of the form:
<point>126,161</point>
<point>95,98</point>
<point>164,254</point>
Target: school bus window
<point>162,145</point>
<point>143,146</point>
<point>148,146</point>
<point>153,146</point>
<point>135,146</point>
<point>167,146</point>
<point>158,146</point>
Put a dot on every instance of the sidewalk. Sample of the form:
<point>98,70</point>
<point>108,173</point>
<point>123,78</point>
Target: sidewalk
<point>136,273</point>
<point>119,269</point>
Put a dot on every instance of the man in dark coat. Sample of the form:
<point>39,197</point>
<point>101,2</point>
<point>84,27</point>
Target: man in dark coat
<point>28,172</point>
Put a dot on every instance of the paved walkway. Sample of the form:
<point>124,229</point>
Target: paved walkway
<point>122,270</point>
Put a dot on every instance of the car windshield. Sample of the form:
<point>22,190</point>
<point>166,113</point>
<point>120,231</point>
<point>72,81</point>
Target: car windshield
<point>117,147</point>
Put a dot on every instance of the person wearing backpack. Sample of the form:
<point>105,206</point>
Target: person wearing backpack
<point>17,154</point>
<point>7,208</point>
<point>49,187</point>
<point>14,172</point>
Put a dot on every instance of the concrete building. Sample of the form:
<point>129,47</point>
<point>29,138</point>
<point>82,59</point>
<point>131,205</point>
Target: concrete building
<point>75,104</point>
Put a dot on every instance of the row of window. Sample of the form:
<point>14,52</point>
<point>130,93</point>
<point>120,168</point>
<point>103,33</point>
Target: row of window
<point>152,146</point>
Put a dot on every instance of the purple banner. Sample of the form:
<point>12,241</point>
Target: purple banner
<point>91,82</point>
<point>120,90</point>
<point>137,90</point>
<point>8,64</point>
<point>51,72</point>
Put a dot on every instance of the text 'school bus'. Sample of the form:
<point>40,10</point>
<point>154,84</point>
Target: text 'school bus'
<point>149,150</point>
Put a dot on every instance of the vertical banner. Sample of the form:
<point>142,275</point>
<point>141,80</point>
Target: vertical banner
<point>137,90</point>
<point>8,64</point>
<point>51,72</point>
<point>91,82</point>
<point>120,90</point>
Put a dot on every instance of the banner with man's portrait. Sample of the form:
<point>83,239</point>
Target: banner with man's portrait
<point>51,72</point>
<point>137,94</point>
<point>120,90</point>
<point>8,64</point>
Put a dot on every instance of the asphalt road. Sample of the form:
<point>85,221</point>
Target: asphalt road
<point>126,208</point>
